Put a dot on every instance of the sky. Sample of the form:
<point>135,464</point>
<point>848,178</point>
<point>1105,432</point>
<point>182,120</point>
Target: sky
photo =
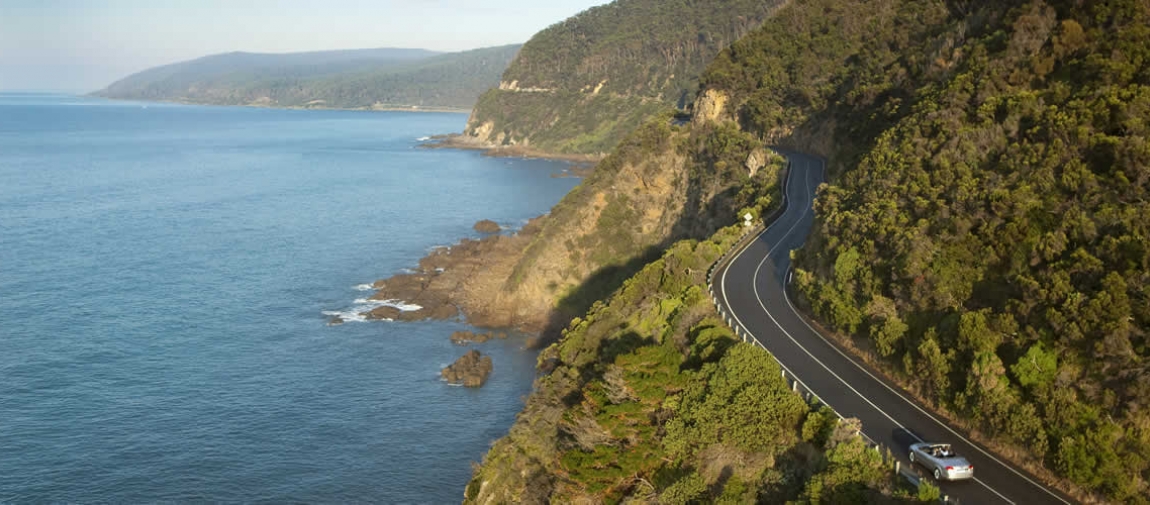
<point>82,46</point>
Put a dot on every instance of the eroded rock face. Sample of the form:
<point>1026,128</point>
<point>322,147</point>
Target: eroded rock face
<point>756,160</point>
<point>470,370</point>
<point>483,131</point>
<point>385,313</point>
<point>487,226</point>
<point>709,107</point>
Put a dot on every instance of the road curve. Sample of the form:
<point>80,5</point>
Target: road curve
<point>751,288</point>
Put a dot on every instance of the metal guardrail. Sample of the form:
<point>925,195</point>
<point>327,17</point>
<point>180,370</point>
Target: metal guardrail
<point>797,385</point>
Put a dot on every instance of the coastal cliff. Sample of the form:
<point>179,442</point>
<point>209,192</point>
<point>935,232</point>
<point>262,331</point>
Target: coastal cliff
<point>665,182</point>
<point>582,85</point>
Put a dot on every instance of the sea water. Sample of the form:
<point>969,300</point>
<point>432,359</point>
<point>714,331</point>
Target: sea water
<point>165,271</point>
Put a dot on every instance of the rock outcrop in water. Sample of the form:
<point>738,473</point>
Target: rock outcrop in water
<point>487,226</point>
<point>470,337</point>
<point>470,370</point>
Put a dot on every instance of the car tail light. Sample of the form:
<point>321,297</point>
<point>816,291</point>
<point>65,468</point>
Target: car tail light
<point>971,467</point>
<point>950,468</point>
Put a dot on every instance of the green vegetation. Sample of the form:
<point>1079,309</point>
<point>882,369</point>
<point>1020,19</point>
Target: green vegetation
<point>663,183</point>
<point>636,47</point>
<point>984,240</point>
<point>581,85</point>
<point>649,397</point>
<point>576,123</point>
<point>331,79</point>
<point>986,234</point>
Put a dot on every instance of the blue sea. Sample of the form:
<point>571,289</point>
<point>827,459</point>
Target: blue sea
<point>165,271</point>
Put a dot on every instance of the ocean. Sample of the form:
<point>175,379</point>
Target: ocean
<point>166,277</point>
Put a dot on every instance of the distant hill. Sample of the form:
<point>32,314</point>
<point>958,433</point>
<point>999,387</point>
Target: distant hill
<point>360,78</point>
<point>582,85</point>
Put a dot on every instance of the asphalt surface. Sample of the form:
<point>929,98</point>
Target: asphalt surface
<point>751,287</point>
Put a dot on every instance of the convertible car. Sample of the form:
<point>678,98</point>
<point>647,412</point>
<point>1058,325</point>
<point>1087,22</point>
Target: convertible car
<point>942,462</point>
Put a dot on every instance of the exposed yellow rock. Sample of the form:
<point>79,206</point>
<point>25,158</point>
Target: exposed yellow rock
<point>756,160</point>
<point>709,107</point>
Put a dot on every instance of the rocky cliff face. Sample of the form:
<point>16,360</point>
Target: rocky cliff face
<point>582,85</point>
<point>662,184</point>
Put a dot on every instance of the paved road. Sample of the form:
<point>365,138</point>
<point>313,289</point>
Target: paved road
<point>750,286</point>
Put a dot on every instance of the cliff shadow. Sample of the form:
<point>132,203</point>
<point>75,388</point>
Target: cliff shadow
<point>604,282</point>
<point>599,286</point>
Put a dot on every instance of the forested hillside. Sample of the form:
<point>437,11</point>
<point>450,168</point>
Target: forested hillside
<point>984,240</point>
<point>582,85</point>
<point>987,237</point>
<point>332,79</point>
<point>651,399</point>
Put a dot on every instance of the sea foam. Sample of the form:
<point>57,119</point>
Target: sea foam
<point>363,305</point>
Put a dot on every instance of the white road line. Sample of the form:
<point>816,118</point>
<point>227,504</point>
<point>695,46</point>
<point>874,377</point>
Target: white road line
<point>755,285</point>
<point>758,297</point>
<point>840,379</point>
<point>786,296</point>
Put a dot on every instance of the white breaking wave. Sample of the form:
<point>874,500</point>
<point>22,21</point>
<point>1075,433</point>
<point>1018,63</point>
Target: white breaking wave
<point>423,139</point>
<point>348,316</point>
<point>364,287</point>
<point>362,305</point>
<point>399,304</point>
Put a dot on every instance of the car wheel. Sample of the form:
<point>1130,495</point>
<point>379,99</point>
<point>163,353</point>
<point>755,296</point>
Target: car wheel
<point>937,474</point>
<point>912,456</point>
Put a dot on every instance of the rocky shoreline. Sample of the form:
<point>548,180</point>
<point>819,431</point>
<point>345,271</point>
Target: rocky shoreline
<point>463,280</point>
<point>460,141</point>
<point>468,280</point>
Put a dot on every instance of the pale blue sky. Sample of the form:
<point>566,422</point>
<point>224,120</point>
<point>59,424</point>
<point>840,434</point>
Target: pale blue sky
<point>75,45</point>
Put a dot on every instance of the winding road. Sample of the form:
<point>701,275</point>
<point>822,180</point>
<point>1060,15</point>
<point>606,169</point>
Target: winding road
<point>751,287</point>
